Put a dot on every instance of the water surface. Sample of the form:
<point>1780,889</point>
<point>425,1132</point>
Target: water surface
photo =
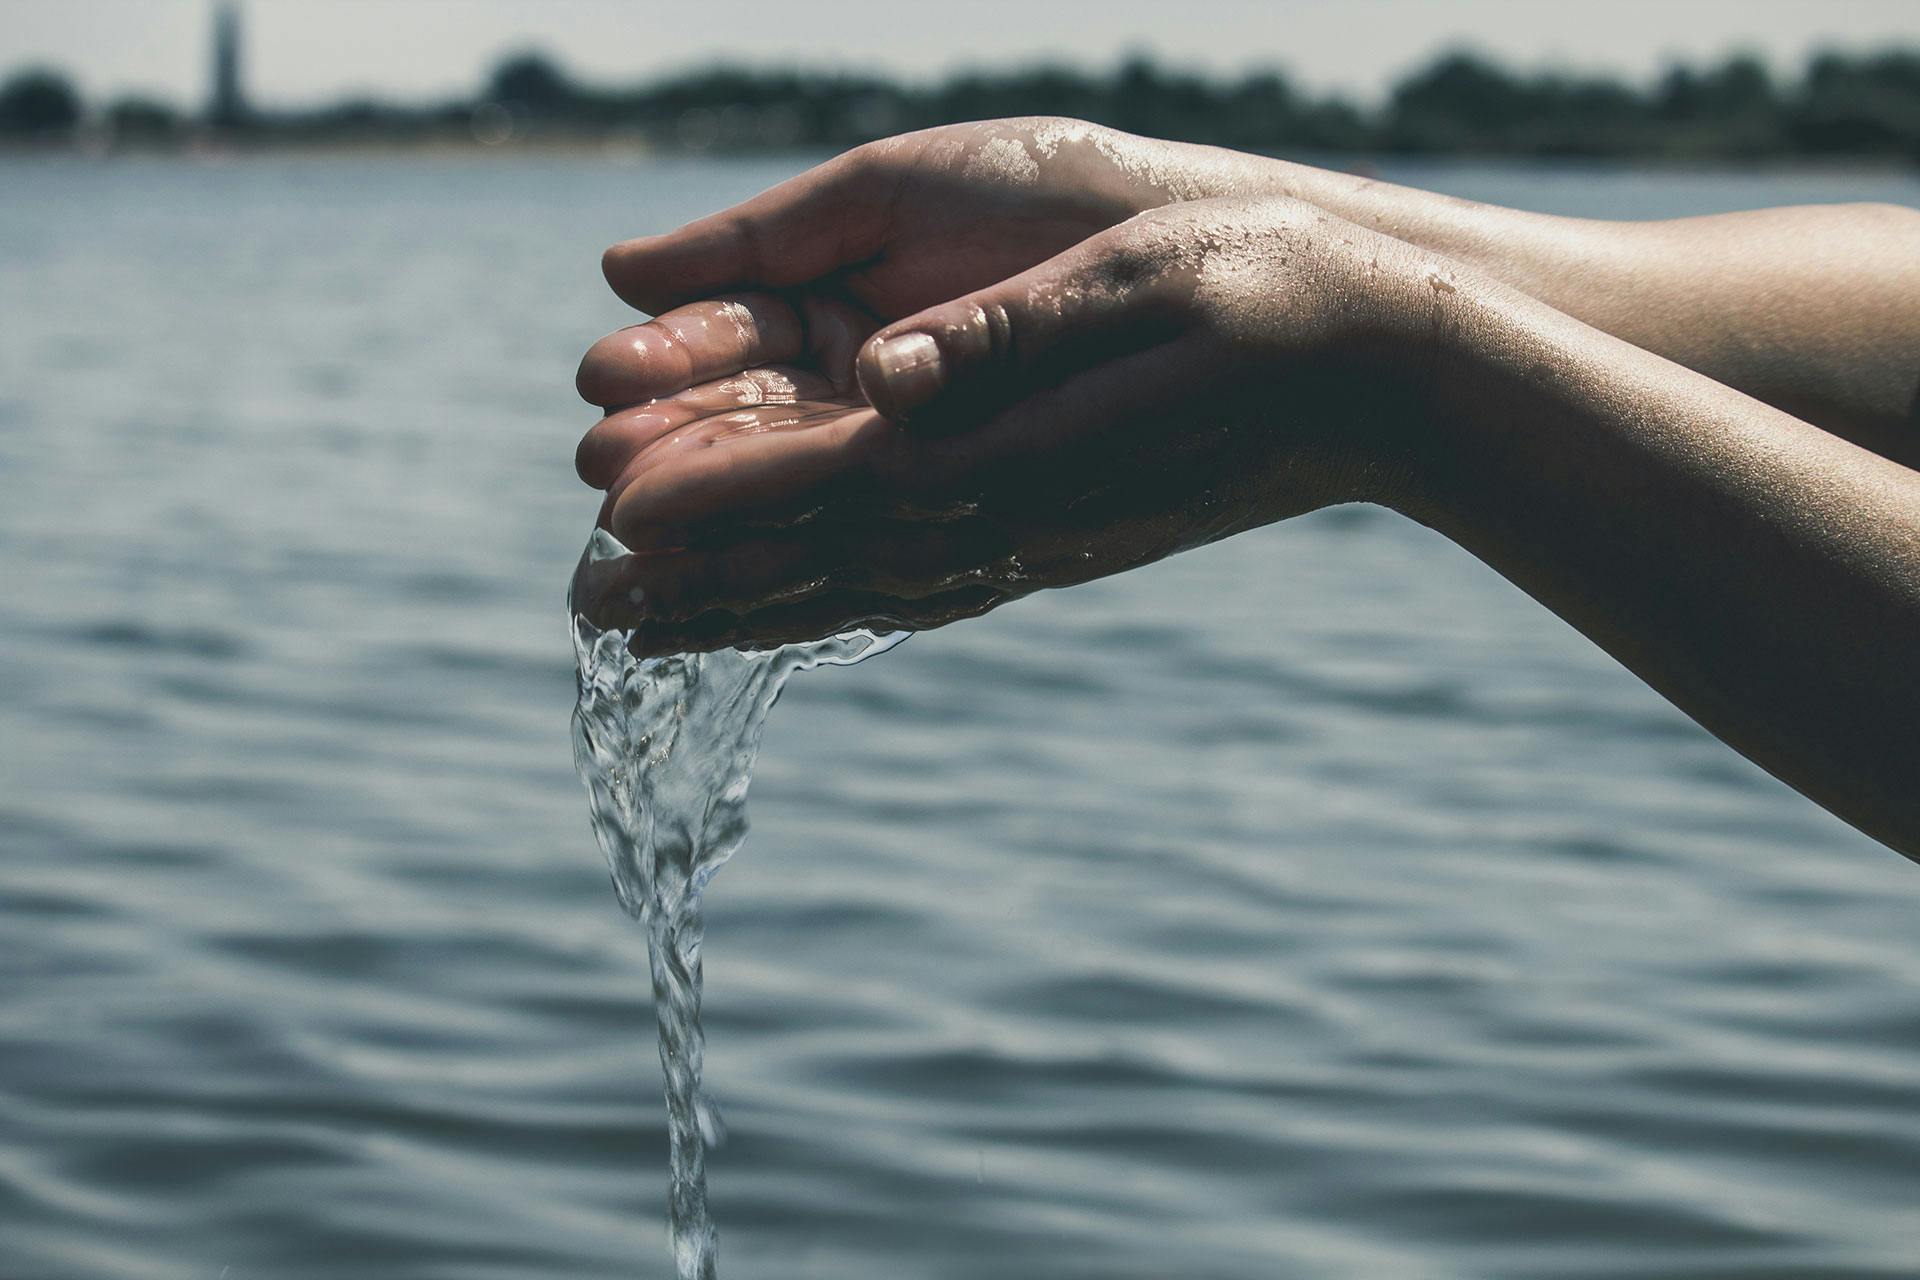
<point>1311,906</point>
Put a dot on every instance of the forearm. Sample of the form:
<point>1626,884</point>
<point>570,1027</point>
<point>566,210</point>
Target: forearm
<point>1815,310</point>
<point>1761,573</point>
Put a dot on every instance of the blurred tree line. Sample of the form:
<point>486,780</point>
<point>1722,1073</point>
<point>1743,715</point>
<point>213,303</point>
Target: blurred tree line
<point>1864,105</point>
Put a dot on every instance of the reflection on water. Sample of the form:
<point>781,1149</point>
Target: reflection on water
<point>1313,905</point>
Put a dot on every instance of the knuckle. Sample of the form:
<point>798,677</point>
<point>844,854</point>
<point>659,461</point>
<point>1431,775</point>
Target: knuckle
<point>749,244</point>
<point>1286,211</point>
<point>995,325</point>
<point>858,161</point>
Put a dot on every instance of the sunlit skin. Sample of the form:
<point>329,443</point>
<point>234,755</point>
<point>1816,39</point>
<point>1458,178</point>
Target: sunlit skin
<point>948,370</point>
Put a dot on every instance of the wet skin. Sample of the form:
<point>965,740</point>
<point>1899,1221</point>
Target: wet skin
<point>955,368</point>
<point>1810,309</point>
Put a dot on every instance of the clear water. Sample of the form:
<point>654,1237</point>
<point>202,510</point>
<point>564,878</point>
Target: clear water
<point>666,746</point>
<point>1312,906</point>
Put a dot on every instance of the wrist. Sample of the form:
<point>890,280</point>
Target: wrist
<point>1422,361</point>
<point>1425,350</point>
<point>1495,363</point>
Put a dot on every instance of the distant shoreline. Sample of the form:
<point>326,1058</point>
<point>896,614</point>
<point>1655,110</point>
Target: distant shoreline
<point>1860,111</point>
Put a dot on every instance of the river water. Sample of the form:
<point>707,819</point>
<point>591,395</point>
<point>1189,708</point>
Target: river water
<point>1310,906</point>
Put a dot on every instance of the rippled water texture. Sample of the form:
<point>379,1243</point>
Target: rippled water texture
<point>666,747</point>
<point>1311,906</point>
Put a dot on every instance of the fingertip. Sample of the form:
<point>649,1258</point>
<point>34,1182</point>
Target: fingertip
<point>641,272</point>
<point>612,260</point>
<point>606,451</point>
<point>659,272</point>
<point>900,372</point>
<point>617,369</point>
<point>586,462</point>
<point>616,265</point>
<point>587,378</point>
<point>635,514</point>
<point>627,522</point>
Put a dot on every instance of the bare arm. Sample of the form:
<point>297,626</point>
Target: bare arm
<point>1220,363</point>
<point>1761,573</point>
<point>1813,309</point>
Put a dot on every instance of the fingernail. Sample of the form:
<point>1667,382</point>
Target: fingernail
<point>910,365</point>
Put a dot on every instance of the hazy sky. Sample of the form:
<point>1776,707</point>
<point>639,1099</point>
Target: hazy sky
<point>302,50</point>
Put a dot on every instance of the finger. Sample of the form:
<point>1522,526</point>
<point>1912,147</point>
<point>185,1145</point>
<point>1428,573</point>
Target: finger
<point>1132,410</point>
<point>659,587</point>
<point>744,466</point>
<point>831,613</point>
<point>896,559</point>
<point>612,443</point>
<point>707,482</point>
<point>693,344</point>
<point>807,227</point>
<point>955,363</point>
<point>793,588</point>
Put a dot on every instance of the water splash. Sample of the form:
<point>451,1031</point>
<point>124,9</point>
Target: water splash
<point>666,748</point>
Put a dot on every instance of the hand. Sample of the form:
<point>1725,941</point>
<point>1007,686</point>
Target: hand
<point>905,222</point>
<point>1198,370</point>
<point>871,236</point>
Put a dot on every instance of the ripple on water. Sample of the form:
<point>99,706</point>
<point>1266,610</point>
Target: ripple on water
<point>1311,906</point>
<point>214,645</point>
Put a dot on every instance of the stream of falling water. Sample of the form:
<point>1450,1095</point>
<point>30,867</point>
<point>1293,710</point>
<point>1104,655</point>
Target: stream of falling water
<point>666,749</point>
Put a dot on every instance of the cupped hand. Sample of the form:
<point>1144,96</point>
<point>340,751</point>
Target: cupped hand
<point>905,222</point>
<point>805,272</point>
<point>1195,371</point>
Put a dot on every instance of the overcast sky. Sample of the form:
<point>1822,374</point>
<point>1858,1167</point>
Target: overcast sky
<point>301,51</point>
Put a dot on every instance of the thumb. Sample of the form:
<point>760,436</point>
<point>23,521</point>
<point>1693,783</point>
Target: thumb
<point>956,363</point>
